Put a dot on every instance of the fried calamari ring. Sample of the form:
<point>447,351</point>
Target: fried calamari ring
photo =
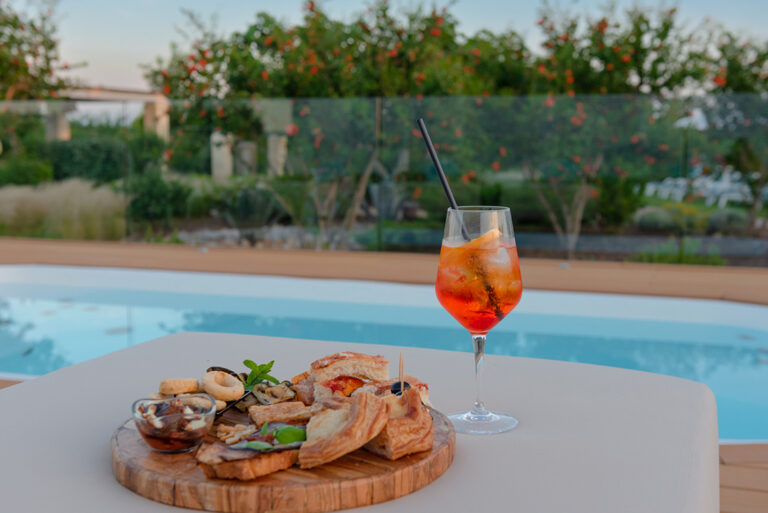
<point>223,386</point>
<point>220,405</point>
<point>179,386</point>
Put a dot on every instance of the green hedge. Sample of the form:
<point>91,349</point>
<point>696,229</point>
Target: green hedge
<point>100,159</point>
<point>155,199</point>
<point>24,171</point>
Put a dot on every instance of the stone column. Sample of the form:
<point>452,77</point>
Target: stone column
<point>221,156</point>
<point>276,116</point>
<point>56,122</point>
<point>246,161</point>
<point>157,118</point>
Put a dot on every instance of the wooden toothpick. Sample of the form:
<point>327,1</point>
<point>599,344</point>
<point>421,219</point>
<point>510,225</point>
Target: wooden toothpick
<point>401,374</point>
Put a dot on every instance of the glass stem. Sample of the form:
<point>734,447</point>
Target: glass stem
<point>479,346</point>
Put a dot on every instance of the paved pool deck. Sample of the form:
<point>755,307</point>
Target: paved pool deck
<point>743,284</point>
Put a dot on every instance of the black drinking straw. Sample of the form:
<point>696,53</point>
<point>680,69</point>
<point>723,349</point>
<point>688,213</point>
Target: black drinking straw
<point>441,173</point>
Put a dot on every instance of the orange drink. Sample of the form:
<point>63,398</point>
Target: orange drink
<point>479,282</point>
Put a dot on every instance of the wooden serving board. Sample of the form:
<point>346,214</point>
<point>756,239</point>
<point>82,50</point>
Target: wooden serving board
<point>358,479</point>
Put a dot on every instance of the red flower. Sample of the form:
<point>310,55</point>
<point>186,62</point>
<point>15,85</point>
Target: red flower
<point>458,132</point>
<point>436,32</point>
<point>420,77</point>
<point>264,75</point>
<point>649,159</point>
<point>593,194</point>
<point>416,193</point>
<point>292,129</point>
<point>476,51</point>
<point>465,178</point>
<point>220,112</point>
<point>167,154</point>
<point>439,21</point>
<point>634,139</point>
<point>393,53</point>
<point>550,101</point>
<point>616,49</point>
<point>416,133</point>
<point>472,173</point>
<point>202,63</point>
<point>203,113</point>
<point>609,66</point>
<point>502,151</point>
<point>575,120</point>
<point>576,158</point>
<point>318,140</point>
<point>467,69</point>
<point>479,101</point>
<point>313,70</point>
<point>268,40</point>
<point>663,147</point>
<point>626,57</point>
<point>542,69</point>
<point>304,111</point>
<point>571,93</point>
<point>542,21</point>
<point>569,80</point>
<point>419,96</point>
<point>496,166</point>
<point>166,89</point>
<point>719,80</point>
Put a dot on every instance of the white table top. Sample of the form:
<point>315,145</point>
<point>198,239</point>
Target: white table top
<point>591,439</point>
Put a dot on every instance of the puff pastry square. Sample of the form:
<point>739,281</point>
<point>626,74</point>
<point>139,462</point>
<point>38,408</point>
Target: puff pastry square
<point>408,430</point>
<point>339,425</point>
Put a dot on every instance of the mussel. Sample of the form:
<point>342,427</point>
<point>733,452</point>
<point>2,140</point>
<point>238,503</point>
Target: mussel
<point>266,393</point>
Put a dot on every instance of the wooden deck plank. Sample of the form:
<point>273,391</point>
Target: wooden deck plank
<point>4,383</point>
<point>731,283</point>
<point>735,500</point>
<point>751,478</point>
<point>743,453</point>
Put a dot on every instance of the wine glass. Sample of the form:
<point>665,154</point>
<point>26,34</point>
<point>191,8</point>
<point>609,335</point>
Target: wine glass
<point>478,283</point>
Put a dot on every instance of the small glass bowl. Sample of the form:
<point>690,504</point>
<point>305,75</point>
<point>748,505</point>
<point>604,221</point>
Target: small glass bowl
<point>174,425</point>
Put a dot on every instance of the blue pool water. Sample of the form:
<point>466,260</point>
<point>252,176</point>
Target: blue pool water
<point>52,317</point>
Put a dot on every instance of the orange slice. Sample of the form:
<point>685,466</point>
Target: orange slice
<point>485,239</point>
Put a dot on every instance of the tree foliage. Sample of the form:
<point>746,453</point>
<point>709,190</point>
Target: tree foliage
<point>29,58</point>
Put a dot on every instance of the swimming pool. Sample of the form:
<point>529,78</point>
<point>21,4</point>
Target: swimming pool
<point>51,317</point>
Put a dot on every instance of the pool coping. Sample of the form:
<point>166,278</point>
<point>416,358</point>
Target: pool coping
<point>741,284</point>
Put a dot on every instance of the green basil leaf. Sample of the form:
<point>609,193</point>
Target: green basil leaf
<point>251,364</point>
<point>265,428</point>
<point>272,379</point>
<point>258,445</point>
<point>290,434</point>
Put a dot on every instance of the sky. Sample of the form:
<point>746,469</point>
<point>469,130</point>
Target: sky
<point>115,37</point>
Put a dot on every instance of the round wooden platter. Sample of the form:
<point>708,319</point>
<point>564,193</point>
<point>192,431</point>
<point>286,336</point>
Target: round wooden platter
<point>357,479</point>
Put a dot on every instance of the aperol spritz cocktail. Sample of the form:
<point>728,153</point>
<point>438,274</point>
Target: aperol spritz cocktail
<point>479,283</point>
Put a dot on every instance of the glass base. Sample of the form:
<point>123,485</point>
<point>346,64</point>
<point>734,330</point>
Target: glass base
<point>486,423</point>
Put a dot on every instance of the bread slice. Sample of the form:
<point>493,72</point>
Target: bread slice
<point>292,412</point>
<point>218,461</point>
<point>342,386</point>
<point>357,365</point>
<point>384,388</point>
<point>408,430</point>
<point>340,425</point>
